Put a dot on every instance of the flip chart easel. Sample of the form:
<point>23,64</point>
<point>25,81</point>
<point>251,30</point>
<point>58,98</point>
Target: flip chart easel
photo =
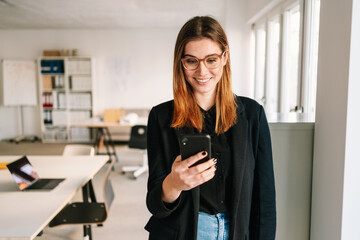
<point>19,88</point>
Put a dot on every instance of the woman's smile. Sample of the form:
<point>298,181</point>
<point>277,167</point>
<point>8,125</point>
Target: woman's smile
<point>202,80</point>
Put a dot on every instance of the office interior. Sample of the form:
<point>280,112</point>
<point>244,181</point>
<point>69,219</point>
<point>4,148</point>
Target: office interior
<point>133,56</point>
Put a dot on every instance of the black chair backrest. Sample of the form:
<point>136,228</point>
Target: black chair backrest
<point>108,189</point>
<point>138,137</point>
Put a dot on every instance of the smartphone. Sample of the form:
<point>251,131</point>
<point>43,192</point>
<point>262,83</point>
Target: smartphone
<point>193,144</point>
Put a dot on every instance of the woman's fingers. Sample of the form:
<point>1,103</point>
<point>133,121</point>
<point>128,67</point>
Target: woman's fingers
<point>203,166</point>
<point>207,174</point>
<point>193,159</point>
<point>202,177</point>
<point>185,177</point>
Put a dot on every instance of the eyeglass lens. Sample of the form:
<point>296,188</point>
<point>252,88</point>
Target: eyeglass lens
<point>192,63</point>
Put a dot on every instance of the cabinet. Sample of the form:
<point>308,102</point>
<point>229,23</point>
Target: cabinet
<point>66,98</point>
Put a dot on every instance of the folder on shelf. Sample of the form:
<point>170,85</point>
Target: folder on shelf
<point>79,116</point>
<point>47,83</point>
<point>52,66</point>
<point>80,100</point>
<point>80,83</point>
<point>80,66</point>
<point>79,134</point>
<point>59,118</point>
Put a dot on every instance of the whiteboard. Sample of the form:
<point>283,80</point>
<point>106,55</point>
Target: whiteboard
<point>19,82</point>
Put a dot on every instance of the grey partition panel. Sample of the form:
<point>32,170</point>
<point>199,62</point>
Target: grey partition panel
<point>292,145</point>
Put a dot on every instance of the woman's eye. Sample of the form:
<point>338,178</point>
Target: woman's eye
<point>191,61</point>
<point>211,60</point>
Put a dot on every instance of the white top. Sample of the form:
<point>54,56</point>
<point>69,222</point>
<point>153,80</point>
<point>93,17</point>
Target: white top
<point>24,214</point>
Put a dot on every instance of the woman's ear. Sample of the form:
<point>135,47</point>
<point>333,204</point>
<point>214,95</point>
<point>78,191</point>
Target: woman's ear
<point>225,57</point>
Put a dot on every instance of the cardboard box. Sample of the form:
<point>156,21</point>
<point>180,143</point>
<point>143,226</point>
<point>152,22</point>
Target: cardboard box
<point>113,115</point>
<point>51,53</point>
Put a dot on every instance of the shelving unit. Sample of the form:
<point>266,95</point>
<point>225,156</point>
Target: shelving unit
<point>66,98</point>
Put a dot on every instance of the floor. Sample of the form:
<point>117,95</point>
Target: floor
<point>128,213</point>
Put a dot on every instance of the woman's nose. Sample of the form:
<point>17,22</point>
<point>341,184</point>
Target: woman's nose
<point>202,68</point>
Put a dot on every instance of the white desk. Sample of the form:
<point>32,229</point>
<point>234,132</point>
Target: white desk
<point>23,215</point>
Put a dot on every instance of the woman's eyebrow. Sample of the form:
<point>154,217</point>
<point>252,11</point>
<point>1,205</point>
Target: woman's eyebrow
<point>189,55</point>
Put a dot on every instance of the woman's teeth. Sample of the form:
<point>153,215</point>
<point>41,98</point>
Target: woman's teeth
<point>202,80</point>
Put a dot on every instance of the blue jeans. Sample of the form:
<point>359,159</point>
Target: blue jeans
<point>213,227</point>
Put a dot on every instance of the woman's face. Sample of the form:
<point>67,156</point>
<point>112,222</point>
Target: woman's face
<point>202,79</point>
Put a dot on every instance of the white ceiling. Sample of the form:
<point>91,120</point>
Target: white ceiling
<point>95,14</point>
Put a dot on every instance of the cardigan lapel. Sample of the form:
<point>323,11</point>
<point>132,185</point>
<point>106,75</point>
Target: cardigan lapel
<point>240,141</point>
<point>195,192</point>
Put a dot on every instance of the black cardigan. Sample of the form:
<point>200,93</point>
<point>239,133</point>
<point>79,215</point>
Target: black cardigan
<point>253,210</point>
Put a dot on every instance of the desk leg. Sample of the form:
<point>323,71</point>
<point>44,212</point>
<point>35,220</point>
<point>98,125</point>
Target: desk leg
<point>99,133</point>
<point>91,192</point>
<point>88,194</point>
<point>111,143</point>
<point>104,133</point>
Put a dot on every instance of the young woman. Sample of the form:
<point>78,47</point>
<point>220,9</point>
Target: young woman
<point>232,195</point>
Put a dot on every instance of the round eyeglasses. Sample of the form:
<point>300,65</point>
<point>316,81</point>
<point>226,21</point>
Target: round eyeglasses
<point>211,62</point>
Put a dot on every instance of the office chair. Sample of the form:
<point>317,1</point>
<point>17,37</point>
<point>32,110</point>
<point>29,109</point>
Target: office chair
<point>89,211</point>
<point>137,141</point>
<point>78,150</point>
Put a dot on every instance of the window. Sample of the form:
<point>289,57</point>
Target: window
<point>290,80</point>
<point>311,60</point>
<point>285,43</point>
<point>272,70</point>
<point>260,36</point>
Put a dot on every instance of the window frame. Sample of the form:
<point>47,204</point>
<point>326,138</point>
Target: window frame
<point>305,32</point>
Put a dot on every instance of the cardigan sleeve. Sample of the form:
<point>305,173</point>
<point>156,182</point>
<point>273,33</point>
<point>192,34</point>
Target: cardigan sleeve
<point>157,169</point>
<point>263,203</point>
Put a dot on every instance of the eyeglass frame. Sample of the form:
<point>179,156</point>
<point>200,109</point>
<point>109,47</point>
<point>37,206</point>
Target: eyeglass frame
<point>202,60</point>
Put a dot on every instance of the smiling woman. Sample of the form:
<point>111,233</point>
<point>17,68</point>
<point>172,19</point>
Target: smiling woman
<point>231,195</point>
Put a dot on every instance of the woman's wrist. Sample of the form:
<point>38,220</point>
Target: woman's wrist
<point>169,192</point>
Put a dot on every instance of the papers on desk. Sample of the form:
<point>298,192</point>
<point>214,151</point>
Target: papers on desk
<point>131,118</point>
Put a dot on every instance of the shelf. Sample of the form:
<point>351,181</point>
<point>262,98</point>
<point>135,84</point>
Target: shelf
<point>80,91</point>
<point>80,74</point>
<point>52,74</point>
<point>80,109</point>
<point>52,126</point>
<point>54,109</point>
<point>69,90</point>
<point>53,90</point>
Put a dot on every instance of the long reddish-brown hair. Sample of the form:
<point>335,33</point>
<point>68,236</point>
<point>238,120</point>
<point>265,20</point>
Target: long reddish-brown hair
<point>186,111</point>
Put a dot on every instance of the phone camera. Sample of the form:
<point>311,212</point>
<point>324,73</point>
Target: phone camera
<point>184,141</point>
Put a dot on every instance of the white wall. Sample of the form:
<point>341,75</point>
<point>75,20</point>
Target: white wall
<point>351,209</point>
<point>238,33</point>
<point>336,192</point>
<point>140,76</point>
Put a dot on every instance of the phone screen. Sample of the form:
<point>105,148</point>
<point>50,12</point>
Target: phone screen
<point>193,144</point>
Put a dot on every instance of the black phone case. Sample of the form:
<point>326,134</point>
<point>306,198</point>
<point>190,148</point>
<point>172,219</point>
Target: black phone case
<point>193,144</point>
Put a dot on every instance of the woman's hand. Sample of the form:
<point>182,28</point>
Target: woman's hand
<point>183,177</point>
